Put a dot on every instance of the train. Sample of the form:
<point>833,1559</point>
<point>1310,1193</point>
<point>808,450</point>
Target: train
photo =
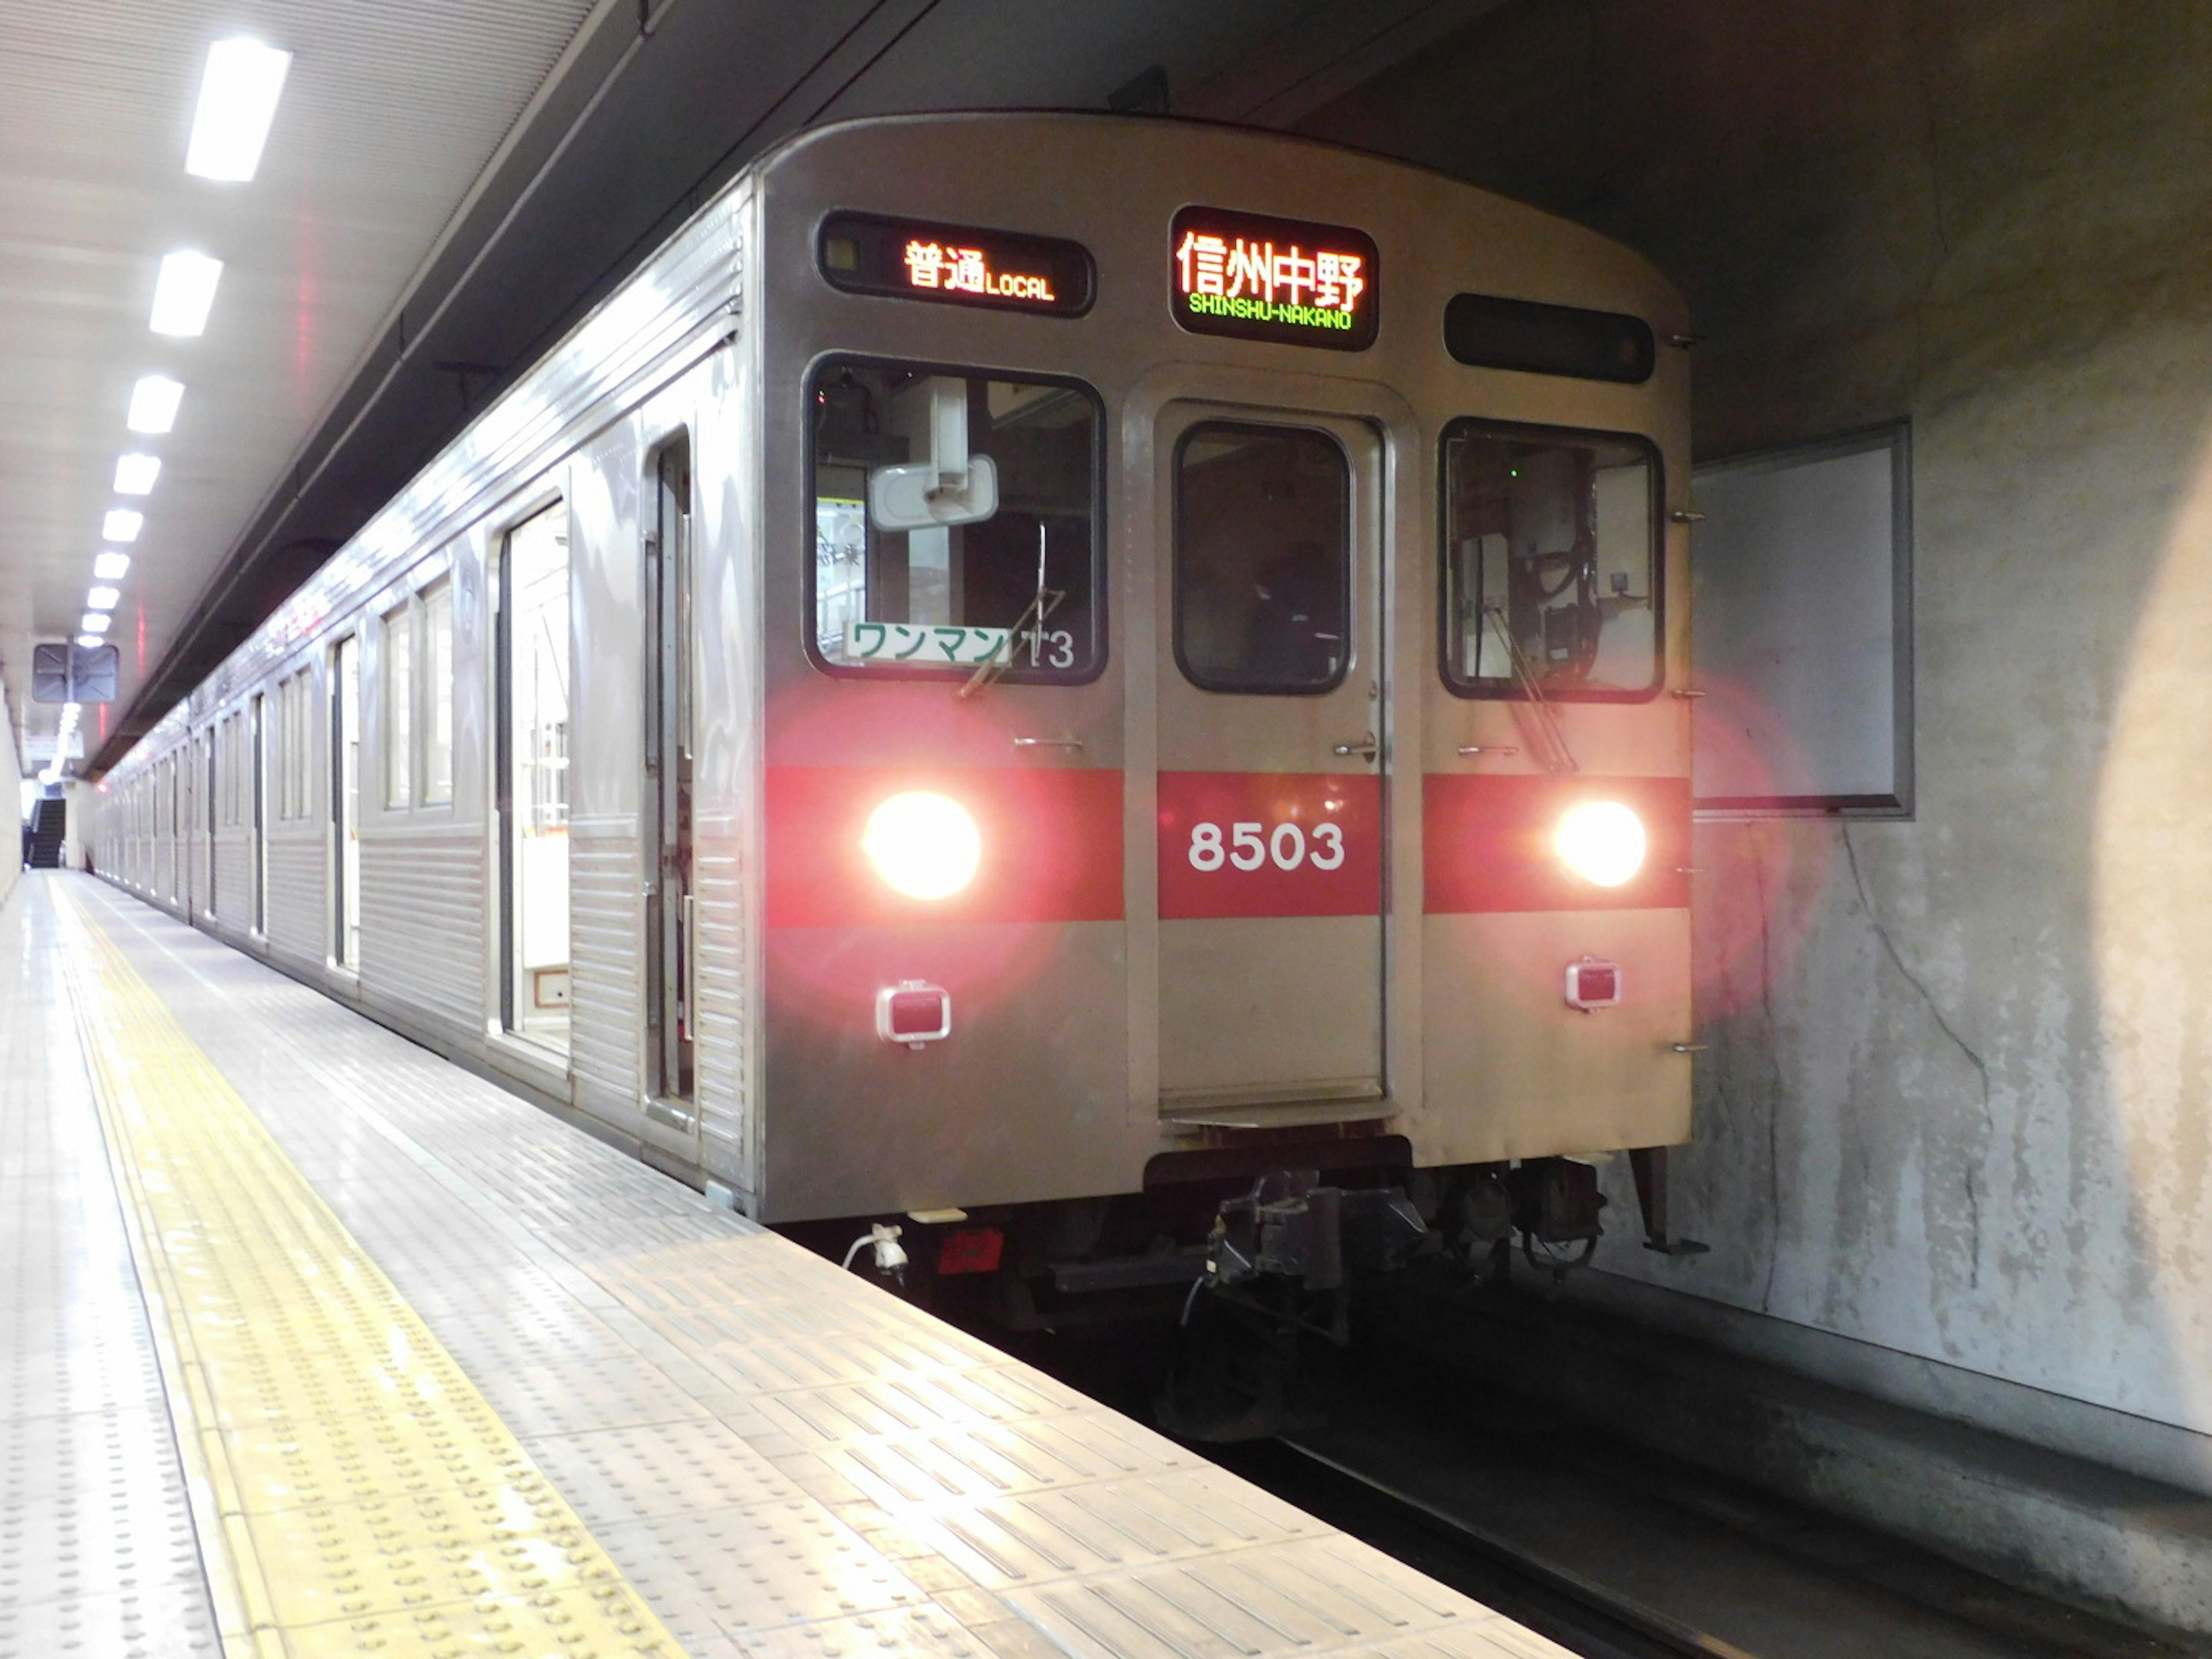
<point>1095,702</point>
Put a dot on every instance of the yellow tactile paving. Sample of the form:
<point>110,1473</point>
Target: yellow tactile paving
<point>370,1502</point>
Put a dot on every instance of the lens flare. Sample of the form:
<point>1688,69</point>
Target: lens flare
<point>1602,842</point>
<point>923,845</point>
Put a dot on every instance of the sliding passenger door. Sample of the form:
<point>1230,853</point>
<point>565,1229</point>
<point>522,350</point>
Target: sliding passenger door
<point>670,937</point>
<point>1271,728</point>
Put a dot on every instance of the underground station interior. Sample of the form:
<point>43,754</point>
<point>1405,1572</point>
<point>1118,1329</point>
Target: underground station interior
<point>1601,1053</point>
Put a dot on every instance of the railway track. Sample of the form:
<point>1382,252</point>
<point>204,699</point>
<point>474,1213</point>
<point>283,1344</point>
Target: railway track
<point>1576,1612</point>
<point>1610,1550</point>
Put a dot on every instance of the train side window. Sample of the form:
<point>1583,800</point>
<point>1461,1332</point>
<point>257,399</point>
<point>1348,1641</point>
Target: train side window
<point>1262,559</point>
<point>397,712</point>
<point>1552,574</point>
<point>436,619</point>
<point>956,523</point>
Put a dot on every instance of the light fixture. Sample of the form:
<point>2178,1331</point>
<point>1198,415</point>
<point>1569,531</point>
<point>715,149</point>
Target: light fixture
<point>135,474</point>
<point>109,566</point>
<point>237,100</point>
<point>154,403</point>
<point>89,639</point>
<point>121,524</point>
<point>104,599</point>
<point>184,293</point>
<point>94,622</point>
<point>1601,840</point>
<point>923,845</point>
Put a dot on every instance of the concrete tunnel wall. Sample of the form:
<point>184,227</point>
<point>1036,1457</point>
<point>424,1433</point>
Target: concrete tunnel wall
<point>1959,1086</point>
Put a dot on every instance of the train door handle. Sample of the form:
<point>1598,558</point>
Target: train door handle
<point>1363,746</point>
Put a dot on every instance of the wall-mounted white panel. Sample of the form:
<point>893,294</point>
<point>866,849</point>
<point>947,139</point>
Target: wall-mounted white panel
<point>1801,588</point>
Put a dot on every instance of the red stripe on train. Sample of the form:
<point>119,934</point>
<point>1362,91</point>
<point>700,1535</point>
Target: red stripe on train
<point>1051,846</point>
<point>1269,844</point>
<point>1486,844</point>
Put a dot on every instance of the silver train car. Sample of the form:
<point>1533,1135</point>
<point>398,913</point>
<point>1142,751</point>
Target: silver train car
<point>1023,667</point>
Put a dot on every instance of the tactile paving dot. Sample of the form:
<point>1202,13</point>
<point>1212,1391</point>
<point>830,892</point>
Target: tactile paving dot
<point>756,1569</point>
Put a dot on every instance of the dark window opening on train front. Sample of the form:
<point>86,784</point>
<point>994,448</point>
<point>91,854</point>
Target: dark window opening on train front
<point>956,524</point>
<point>1262,559</point>
<point>1552,571</point>
<point>1486,331</point>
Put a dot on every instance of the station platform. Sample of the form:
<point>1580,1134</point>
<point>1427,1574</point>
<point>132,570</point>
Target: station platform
<point>320,1345</point>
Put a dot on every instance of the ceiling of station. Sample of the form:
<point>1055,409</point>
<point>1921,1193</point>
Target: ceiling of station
<point>448,185</point>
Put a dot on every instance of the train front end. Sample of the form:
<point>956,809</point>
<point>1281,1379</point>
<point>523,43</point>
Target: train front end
<point>1223,791</point>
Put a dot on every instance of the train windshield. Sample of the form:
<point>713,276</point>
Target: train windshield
<point>1551,566</point>
<point>956,523</point>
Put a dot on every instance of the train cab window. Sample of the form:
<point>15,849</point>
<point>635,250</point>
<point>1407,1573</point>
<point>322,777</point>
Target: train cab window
<point>1262,559</point>
<point>1551,562</point>
<point>956,524</point>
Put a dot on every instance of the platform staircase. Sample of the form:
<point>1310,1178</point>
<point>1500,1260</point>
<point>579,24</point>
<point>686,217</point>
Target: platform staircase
<point>48,826</point>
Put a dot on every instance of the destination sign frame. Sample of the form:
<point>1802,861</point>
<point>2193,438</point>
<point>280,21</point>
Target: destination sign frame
<point>939,263</point>
<point>1288,281</point>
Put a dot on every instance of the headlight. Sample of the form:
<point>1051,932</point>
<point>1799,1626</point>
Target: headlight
<point>924,846</point>
<point>1602,842</point>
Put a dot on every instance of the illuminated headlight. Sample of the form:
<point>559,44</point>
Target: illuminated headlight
<point>924,846</point>
<point>1602,842</point>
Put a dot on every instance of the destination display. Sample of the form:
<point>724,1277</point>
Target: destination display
<point>956,264</point>
<point>1280,280</point>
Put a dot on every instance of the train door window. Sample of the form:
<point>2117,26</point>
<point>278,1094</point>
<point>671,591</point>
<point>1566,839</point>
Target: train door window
<point>435,618</point>
<point>396,707</point>
<point>345,795</point>
<point>671,933</point>
<point>1551,562</point>
<point>258,738</point>
<point>956,523</point>
<point>1262,559</point>
<point>534,599</point>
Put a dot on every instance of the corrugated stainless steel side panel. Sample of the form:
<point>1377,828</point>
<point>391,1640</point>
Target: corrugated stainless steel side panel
<point>298,928</point>
<point>422,926</point>
<point>607,975</point>
<point>234,879</point>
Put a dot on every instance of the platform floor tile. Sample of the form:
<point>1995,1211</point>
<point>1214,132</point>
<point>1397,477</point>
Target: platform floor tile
<point>784,1462</point>
<point>98,1554</point>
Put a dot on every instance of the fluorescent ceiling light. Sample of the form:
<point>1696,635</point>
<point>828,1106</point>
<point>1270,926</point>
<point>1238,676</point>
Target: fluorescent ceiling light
<point>154,403</point>
<point>121,524</point>
<point>109,566</point>
<point>89,639</point>
<point>184,293</point>
<point>135,474</point>
<point>103,598</point>
<point>237,100</point>
<point>94,622</point>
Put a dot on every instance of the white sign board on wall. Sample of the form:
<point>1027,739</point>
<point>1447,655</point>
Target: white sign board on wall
<point>1801,583</point>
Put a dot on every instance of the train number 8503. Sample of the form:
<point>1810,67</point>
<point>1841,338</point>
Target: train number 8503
<point>1247,849</point>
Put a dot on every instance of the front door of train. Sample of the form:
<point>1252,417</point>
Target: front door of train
<point>1271,808</point>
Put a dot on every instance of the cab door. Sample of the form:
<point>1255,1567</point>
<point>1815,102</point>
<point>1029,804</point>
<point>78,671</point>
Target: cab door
<point>1271,804</point>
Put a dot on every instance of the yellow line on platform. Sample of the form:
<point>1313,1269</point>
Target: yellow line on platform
<point>356,1495</point>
